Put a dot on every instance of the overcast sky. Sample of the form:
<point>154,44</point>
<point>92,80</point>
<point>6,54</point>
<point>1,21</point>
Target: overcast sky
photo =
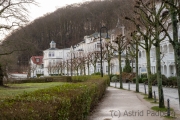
<point>47,6</point>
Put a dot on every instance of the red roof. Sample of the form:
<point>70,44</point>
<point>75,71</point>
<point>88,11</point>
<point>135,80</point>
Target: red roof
<point>37,59</point>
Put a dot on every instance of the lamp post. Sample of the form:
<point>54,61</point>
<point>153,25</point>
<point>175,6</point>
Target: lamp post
<point>101,47</point>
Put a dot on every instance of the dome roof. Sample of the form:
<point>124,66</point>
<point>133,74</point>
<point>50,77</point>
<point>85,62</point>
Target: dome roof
<point>52,41</point>
<point>52,44</point>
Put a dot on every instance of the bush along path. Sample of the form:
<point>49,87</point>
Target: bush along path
<point>71,101</point>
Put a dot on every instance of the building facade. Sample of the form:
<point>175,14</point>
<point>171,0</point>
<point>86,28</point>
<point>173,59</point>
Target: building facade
<point>36,66</point>
<point>84,57</point>
<point>52,58</point>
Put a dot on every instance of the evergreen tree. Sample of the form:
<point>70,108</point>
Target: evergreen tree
<point>127,67</point>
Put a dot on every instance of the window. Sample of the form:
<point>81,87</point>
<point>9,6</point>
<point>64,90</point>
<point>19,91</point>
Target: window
<point>49,54</point>
<point>98,45</point>
<point>106,68</point>
<point>37,60</point>
<point>139,54</point>
<point>52,54</point>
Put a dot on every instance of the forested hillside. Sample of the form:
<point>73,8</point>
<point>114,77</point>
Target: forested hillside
<point>67,26</point>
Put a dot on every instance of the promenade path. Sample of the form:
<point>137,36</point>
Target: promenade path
<point>120,104</point>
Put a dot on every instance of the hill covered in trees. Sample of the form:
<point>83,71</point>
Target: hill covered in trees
<point>67,26</point>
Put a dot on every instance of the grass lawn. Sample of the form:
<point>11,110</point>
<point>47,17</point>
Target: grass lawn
<point>15,89</point>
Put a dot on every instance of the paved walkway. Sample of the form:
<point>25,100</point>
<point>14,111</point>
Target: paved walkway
<point>124,105</point>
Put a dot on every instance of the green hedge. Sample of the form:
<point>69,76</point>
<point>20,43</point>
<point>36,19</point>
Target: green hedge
<point>38,75</point>
<point>97,73</point>
<point>71,101</point>
<point>42,80</point>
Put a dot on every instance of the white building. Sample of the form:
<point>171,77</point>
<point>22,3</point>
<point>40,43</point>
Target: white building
<point>89,48</point>
<point>84,57</point>
<point>168,67</point>
<point>167,58</point>
<point>52,57</point>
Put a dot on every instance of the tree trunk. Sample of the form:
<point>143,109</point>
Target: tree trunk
<point>109,65</point>
<point>137,67</point>
<point>120,71</point>
<point>132,65</point>
<point>1,76</point>
<point>61,71</point>
<point>177,63</point>
<point>176,44</point>
<point>88,67</point>
<point>159,75</point>
<point>67,68</point>
<point>95,68</point>
<point>84,69</point>
<point>77,71</point>
<point>149,73</point>
<point>109,68</point>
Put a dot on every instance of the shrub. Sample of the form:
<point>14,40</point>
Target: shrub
<point>127,68</point>
<point>80,78</point>
<point>111,75</point>
<point>97,73</point>
<point>144,75</point>
<point>164,80</point>
<point>54,74</point>
<point>144,80</point>
<point>153,76</point>
<point>134,80</point>
<point>172,81</point>
<point>114,79</point>
<point>155,82</point>
<point>140,80</point>
<point>38,75</point>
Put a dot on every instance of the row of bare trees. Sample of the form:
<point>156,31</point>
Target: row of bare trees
<point>75,64</point>
<point>79,62</point>
<point>153,19</point>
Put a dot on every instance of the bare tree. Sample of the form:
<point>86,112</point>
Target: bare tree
<point>87,61</point>
<point>145,31</point>
<point>133,53</point>
<point>120,45</point>
<point>13,14</point>
<point>153,18</point>
<point>82,61</point>
<point>173,7</point>
<point>108,54</point>
<point>94,58</point>
<point>33,68</point>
